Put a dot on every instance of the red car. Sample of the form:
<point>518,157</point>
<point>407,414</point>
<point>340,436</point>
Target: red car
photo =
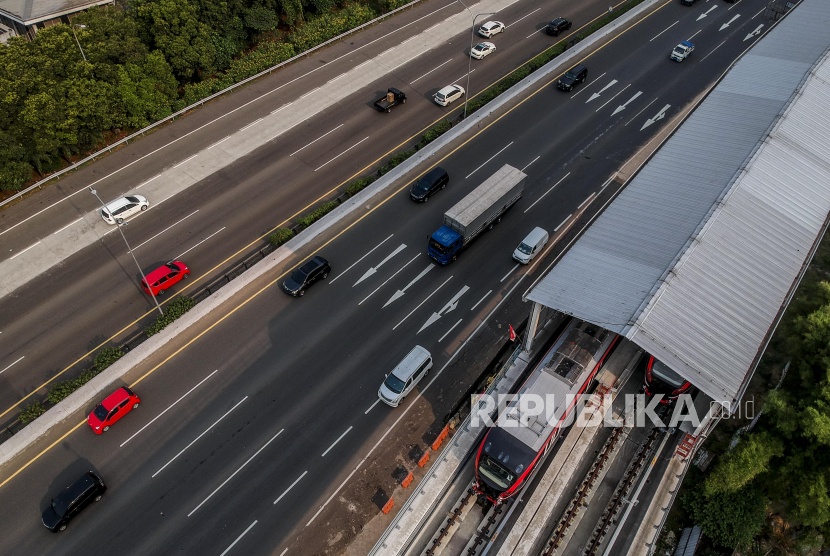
<point>165,276</point>
<point>115,406</point>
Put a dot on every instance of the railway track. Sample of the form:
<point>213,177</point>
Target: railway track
<point>476,540</point>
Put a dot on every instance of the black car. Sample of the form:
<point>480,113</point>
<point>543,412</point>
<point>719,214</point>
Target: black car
<point>432,181</point>
<point>558,25</point>
<point>687,2</point>
<point>315,269</point>
<point>660,379</point>
<point>573,76</point>
<point>89,488</point>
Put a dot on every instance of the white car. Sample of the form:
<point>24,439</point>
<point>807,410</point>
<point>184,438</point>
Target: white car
<point>491,28</point>
<point>682,51</point>
<point>482,49</point>
<point>116,211</point>
<point>448,95</point>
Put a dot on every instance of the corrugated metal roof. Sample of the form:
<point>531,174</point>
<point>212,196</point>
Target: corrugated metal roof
<point>32,11</point>
<point>732,215</point>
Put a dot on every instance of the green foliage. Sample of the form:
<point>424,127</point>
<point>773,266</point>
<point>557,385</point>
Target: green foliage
<point>358,185</point>
<point>107,357</point>
<point>750,459</point>
<point>14,169</point>
<point>292,10</point>
<point>280,236</point>
<point>62,389</point>
<point>174,310</point>
<point>321,28</point>
<point>394,161</point>
<point>433,133</point>
<point>261,18</point>
<point>31,412</point>
<point>733,519</point>
<point>317,214</point>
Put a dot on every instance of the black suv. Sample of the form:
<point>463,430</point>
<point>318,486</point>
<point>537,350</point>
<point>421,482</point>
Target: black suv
<point>432,181</point>
<point>313,270</point>
<point>76,497</point>
<point>558,25</point>
<point>573,76</point>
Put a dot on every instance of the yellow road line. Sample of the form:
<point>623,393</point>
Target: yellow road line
<point>373,209</point>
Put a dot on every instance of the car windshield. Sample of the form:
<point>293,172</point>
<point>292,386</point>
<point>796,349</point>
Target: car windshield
<point>525,248</point>
<point>59,507</point>
<point>661,371</point>
<point>495,472</point>
<point>100,412</point>
<point>172,267</point>
<point>440,96</point>
<point>481,46</point>
<point>679,49</point>
<point>571,75</point>
<point>437,246</point>
<point>299,276</point>
<point>394,383</point>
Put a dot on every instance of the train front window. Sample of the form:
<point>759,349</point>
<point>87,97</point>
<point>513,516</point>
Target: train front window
<point>500,476</point>
<point>664,373</point>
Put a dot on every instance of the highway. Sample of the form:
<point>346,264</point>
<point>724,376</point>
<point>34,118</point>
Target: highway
<point>51,326</point>
<point>255,438</point>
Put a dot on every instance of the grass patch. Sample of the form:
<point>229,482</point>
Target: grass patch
<point>317,214</point>
<point>280,236</point>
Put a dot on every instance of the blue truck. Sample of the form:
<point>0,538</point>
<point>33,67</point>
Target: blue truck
<point>478,211</point>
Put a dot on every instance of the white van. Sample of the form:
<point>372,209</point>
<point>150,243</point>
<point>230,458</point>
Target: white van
<point>405,376</point>
<point>116,211</point>
<point>532,244</point>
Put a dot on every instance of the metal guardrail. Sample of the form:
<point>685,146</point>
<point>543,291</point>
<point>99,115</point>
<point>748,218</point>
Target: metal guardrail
<point>39,184</point>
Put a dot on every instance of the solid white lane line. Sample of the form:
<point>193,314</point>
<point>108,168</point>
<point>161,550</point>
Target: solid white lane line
<point>186,160</point>
<point>407,61</point>
<point>332,131</point>
<point>251,124</point>
<point>411,405</point>
<point>335,442</point>
<point>168,408</point>
<point>432,70</point>
<point>283,552</point>
<point>364,63</point>
<point>21,252</point>
<point>344,152</point>
<point>336,78</point>
<point>531,162</point>
<point>462,77</point>
<point>396,273</point>
<point>21,359</point>
<point>664,30</point>
<point>292,486</point>
<point>641,111</point>
<point>159,175</point>
<point>710,53</point>
<point>556,229</point>
<point>591,196</point>
<point>756,15</point>
<point>251,526</point>
<point>521,18</point>
<point>281,108</point>
<point>693,36</point>
<point>588,85</point>
<point>333,280</point>
<point>613,97</point>
<point>235,472</point>
<point>164,230</point>
<point>450,330</point>
<point>314,90</point>
<point>480,300</point>
<point>488,160</point>
<point>65,227</point>
<point>542,30</point>
<point>198,244</point>
<point>546,192</point>
<point>509,273</point>
<point>207,430</point>
<point>422,302</point>
<point>371,407</point>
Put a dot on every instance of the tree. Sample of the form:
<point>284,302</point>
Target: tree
<point>14,170</point>
<point>751,458</point>
<point>733,519</point>
<point>261,18</point>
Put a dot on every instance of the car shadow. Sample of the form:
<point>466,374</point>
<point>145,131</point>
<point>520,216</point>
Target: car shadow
<point>66,478</point>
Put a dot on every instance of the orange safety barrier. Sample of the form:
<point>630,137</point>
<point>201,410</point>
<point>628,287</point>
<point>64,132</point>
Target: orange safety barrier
<point>406,482</point>
<point>388,507</point>
<point>424,459</point>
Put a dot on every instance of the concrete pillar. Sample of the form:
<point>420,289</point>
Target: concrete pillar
<point>532,324</point>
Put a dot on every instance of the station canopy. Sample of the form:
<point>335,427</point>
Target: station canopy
<point>698,256</point>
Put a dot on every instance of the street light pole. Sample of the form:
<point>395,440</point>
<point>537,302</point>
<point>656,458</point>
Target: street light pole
<point>470,61</point>
<point>143,278</point>
<point>76,38</point>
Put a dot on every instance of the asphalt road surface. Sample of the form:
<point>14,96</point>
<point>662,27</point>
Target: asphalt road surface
<point>246,435</point>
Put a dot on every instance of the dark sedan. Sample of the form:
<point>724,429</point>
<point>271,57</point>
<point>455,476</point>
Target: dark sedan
<point>89,488</point>
<point>315,269</point>
<point>558,25</point>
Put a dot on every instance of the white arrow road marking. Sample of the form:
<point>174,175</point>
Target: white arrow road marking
<point>596,95</point>
<point>701,16</point>
<point>725,25</point>
<point>613,97</point>
<point>422,302</point>
<point>360,259</point>
<point>374,269</point>
<point>757,31</point>
<point>448,308</point>
<point>660,115</point>
<point>621,107</point>
<point>398,294</point>
<point>412,260</point>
